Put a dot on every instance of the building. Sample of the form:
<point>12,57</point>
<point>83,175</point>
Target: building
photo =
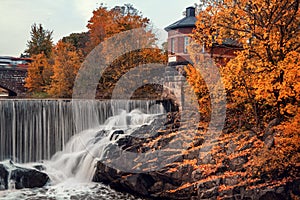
<point>5,61</point>
<point>178,55</point>
<point>14,62</point>
<point>178,38</point>
<point>178,41</point>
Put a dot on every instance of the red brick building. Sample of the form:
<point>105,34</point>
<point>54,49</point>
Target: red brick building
<point>178,40</point>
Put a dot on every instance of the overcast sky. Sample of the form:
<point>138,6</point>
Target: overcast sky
<point>70,16</point>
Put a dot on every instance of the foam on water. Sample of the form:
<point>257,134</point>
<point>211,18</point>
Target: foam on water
<point>67,190</point>
<point>81,153</point>
<point>71,169</point>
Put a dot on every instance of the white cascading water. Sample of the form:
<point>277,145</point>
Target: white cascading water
<point>78,159</point>
<point>33,130</point>
<point>62,133</point>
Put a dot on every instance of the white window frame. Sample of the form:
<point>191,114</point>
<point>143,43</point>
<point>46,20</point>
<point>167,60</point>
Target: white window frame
<point>186,42</point>
<point>172,45</point>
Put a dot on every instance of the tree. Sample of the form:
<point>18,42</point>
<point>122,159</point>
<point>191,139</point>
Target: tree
<point>105,23</point>
<point>67,61</point>
<point>78,40</point>
<point>261,79</point>
<point>41,41</point>
<point>39,75</point>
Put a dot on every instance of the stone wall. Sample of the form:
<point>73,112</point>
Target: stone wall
<point>13,81</point>
<point>174,84</point>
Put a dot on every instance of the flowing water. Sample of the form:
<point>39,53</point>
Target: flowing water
<point>68,138</point>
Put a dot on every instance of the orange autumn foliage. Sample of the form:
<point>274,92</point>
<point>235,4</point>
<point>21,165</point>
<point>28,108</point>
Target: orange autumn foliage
<point>263,78</point>
<point>67,61</point>
<point>39,74</point>
<point>262,81</point>
<point>283,159</point>
<point>106,23</point>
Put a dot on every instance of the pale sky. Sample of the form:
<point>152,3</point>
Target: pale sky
<point>71,16</point>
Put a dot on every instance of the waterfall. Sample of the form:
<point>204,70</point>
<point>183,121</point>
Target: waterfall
<point>77,160</point>
<point>34,130</point>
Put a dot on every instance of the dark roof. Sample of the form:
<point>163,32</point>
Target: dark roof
<point>188,21</point>
<point>231,42</point>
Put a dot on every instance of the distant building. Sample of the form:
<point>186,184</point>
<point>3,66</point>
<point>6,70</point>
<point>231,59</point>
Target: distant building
<point>13,62</point>
<point>178,40</point>
<point>5,61</point>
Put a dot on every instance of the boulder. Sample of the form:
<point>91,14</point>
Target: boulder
<point>3,177</point>
<point>12,176</point>
<point>271,196</point>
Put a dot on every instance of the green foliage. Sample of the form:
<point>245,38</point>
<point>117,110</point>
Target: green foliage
<point>40,42</point>
<point>78,40</point>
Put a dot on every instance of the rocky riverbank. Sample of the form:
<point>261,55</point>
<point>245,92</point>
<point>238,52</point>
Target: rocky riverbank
<point>210,167</point>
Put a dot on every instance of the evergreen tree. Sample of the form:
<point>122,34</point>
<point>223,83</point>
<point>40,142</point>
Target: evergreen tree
<point>40,42</point>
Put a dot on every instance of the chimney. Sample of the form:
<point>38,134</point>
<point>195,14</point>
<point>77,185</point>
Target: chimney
<point>190,12</point>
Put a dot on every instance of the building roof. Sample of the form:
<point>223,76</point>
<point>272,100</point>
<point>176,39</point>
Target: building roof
<point>188,21</point>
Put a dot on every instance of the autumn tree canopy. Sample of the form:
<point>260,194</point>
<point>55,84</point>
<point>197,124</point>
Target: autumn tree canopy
<point>67,61</point>
<point>107,22</point>
<point>78,40</point>
<point>263,80</point>
<point>39,75</point>
<point>68,54</point>
<point>40,42</point>
<point>265,74</point>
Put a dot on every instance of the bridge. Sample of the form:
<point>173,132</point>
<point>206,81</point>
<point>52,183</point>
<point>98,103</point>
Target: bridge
<point>13,80</point>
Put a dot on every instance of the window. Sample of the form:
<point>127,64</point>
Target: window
<point>172,45</point>
<point>186,44</point>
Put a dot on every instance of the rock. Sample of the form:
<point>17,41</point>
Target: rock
<point>268,136</point>
<point>191,175</point>
<point>28,178</point>
<point>157,187</point>
<point>100,135</point>
<point>231,148</point>
<point>269,130</point>
<point>295,187</point>
<point>3,177</point>
<point>271,196</point>
<point>209,184</point>
<point>105,174</point>
<point>115,135</point>
<point>269,141</point>
<point>39,167</point>
<point>233,180</point>
<point>139,183</point>
<point>237,163</point>
<point>197,175</point>
<point>21,177</point>
<point>211,193</point>
<point>208,159</point>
